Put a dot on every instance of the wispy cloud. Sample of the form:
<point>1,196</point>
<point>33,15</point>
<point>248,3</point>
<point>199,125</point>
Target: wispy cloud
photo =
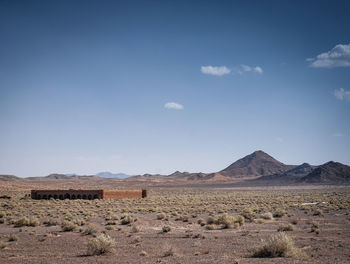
<point>246,68</point>
<point>337,134</point>
<point>215,70</point>
<point>258,69</point>
<point>339,56</point>
<point>342,94</point>
<point>223,70</point>
<point>172,105</point>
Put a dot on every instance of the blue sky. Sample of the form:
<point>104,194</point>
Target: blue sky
<point>159,86</point>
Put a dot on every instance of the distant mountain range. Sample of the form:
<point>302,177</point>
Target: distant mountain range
<point>259,167</point>
<point>107,174</point>
<point>256,168</point>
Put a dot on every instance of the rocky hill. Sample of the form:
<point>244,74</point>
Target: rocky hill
<point>328,173</point>
<point>256,164</point>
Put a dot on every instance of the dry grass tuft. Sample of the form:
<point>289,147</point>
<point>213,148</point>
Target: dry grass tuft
<point>91,229</point>
<point>266,216</point>
<point>25,221</point>
<point>285,227</point>
<point>168,250</point>
<point>100,245</point>
<point>277,245</point>
<point>68,226</point>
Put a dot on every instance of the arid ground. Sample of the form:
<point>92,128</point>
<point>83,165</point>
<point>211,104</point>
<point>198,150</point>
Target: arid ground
<point>175,225</point>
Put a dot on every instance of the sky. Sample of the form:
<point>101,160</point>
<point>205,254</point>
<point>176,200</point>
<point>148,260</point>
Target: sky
<point>158,86</point>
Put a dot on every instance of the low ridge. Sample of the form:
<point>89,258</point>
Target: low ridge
<point>330,172</point>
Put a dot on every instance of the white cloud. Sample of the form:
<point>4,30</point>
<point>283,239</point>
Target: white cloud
<point>339,56</point>
<point>215,70</point>
<point>258,69</point>
<point>342,94</point>
<point>172,105</point>
<point>246,68</point>
<point>222,70</point>
<point>279,139</point>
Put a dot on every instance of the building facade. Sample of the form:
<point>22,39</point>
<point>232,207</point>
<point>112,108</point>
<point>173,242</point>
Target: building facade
<point>87,194</point>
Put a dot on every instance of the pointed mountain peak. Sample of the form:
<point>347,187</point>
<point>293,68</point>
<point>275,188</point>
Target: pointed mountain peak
<point>257,163</point>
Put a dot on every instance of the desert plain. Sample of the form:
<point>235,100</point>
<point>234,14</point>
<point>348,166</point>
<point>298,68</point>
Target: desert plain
<point>198,223</point>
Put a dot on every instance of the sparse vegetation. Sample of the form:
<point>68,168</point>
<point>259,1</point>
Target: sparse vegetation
<point>166,229</point>
<point>12,238</point>
<point>25,221</point>
<point>127,219</point>
<point>100,245</point>
<point>186,214</point>
<point>278,245</point>
<point>279,212</point>
<point>161,216</point>
<point>285,227</point>
<point>168,250</point>
<point>267,216</point>
<point>91,229</point>
<point>68,226</point>
<point>135,229</point>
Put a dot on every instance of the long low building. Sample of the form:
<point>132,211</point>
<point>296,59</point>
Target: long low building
<point>87,194</point>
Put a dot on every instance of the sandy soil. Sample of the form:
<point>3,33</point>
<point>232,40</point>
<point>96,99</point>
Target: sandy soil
<point>190,242</point>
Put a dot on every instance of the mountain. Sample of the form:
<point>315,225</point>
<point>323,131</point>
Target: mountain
<point>256,164</point>
<point>328,173</point>
<point>4,177</point>
<point>59,177</point>
<point>291,175</point>
<point>107,174</point>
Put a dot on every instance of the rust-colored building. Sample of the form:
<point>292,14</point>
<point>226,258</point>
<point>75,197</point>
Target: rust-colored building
<point>87,194</point>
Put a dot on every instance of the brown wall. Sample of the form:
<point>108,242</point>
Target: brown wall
<point>122,194</point>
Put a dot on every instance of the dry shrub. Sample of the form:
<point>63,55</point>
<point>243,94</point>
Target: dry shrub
<point>91,229</point>
<point>166,229</point>
<point>229,221</point>
<point>210,220</point>
<point>68,226</point>
<point>210,227</point>
<point>259,221</point>
<point>248,214</point>
<point>143,253</point>
<point>25,221</point>
<point>279,212</point>
<point>12,238</point>
<point>266,216</point>
<point>277,245</point>
<point>318,212</point>
<point>136,240</point>
<point>161,216</point>
<point>110,227</point>
<point>135,229</point>
<point>100,245</point>
<point>285,227</point>
<point>51,222</point>
<point>314,227</point>
<point>127,219</point>
<point>3,245</point>
<point>168,250</point>
<point>294,221</point>
<point>79,222</point>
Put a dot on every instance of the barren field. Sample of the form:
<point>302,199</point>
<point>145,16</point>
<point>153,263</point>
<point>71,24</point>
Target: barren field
<point>173,225</point>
